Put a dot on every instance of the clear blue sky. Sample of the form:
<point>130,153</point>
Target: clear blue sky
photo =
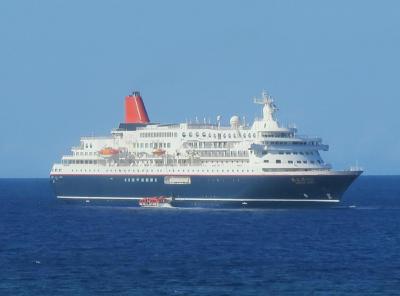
<point>65,67</point>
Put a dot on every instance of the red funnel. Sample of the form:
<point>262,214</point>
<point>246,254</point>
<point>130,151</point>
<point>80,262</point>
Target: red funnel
<point>135,111</point>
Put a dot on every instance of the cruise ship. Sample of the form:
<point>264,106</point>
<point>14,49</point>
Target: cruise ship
<point>201,164</point>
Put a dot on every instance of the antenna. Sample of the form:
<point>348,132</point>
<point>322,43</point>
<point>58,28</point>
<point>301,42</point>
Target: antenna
<point>218,120</point>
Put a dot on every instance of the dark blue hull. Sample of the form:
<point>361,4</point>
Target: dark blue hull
<point>208,191</point>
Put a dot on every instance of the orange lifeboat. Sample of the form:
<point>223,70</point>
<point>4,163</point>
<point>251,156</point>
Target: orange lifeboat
<point>108,152</point>
<point>159,152</point>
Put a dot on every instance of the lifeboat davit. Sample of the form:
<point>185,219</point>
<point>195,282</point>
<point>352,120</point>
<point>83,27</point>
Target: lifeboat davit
<point>108,152</point>
<point>159,152</point>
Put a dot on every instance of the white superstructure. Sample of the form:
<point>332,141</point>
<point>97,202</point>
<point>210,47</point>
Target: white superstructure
<point>265,147</point>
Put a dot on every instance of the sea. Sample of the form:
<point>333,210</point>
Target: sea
<point>48,247</point>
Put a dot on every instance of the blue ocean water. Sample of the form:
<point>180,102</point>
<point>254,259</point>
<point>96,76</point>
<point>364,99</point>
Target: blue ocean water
<point>51,248</point>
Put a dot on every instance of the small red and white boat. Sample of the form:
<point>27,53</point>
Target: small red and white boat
<point>155,202</point>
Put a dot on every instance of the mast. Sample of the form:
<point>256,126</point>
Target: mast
<point>269,109</point>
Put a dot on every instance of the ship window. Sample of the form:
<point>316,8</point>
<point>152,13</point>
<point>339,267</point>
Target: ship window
<point>142,180</point>
<point>304,161</point>
<point>299,161</point>
<point>151,179</point>
<point>147,179</point>
<point>254,135</point>
<point>312,161</point>
<point>155,180</point>
<point>295,153</point>
<point>290,161</point>
<point>183,134</point>
<point>197,134</point>
<point>244,135</point>
<point>301,153</point>
<point>288,153</point>
<point>280,152</point>
<point>278,161</point>
<point>137,179</point>
<point>266,161</point>
<point>190,134</point>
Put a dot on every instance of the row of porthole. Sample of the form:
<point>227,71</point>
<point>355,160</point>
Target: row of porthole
<point>291,161</point>
<point>229,136</point>
<point>132,180</point>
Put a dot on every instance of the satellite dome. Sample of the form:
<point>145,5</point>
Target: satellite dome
<point>235,121</point>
